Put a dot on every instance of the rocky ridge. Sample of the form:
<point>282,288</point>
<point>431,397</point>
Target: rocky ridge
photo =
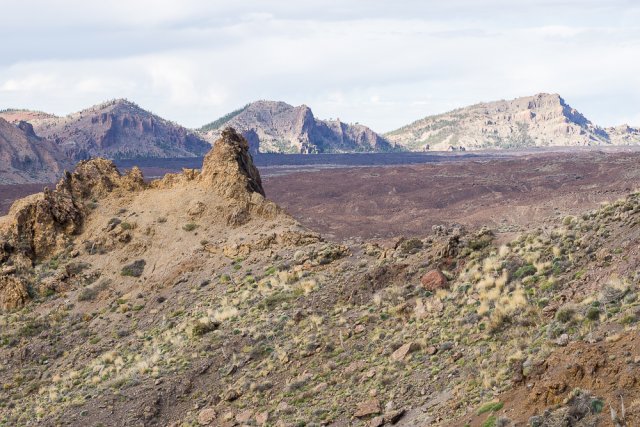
<point>24,157</point>
<point>532,121</point>
<point>119,129</point>
<point>277,127</point>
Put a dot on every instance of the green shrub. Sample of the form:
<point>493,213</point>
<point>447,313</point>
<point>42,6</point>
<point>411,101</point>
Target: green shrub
<point>593,313</point>
<point>565,314</point>
<point>134,269</point>
<point>190,226</point>
<point>202,328</point>
<point>490,422</point>
<point>490,407</point>
<point>524,271</point>
<point>597,405</point>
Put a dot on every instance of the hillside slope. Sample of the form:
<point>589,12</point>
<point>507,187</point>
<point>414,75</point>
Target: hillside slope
<point>277,127</point>
<point>194,300</point>
<point>119,129</point>
<point>26,158</point>
<point>532,121</point>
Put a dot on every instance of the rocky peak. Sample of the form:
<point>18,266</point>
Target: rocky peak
<point>229,167</point>
<point>539,120</point>
<point>282,128</point>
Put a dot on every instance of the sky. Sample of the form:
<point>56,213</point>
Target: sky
<point>379,63</point>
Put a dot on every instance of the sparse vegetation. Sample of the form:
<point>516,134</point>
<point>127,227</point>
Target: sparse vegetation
<point>190,226</point>
<point>135,269</point>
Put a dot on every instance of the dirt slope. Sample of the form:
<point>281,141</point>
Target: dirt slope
<point>193,300</point>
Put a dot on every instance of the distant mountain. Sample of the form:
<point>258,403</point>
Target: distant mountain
<point>25,158</point>
<point>119,129</point>
<point>277,127</point>
<point>16,116</point>
<point>532,121</point>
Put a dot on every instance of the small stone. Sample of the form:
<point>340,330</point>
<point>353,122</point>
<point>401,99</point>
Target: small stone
<point>376,422</point>
<point>394,416</point>
<point>232,395</point>
<point>244,416</point>
<point>262,418</point>
<point>206,416</point>
<point>402,352</point>
<point>563,340</point>
<point>431,350</point>
<point>359,329</point>
<point>368,407</point>
<point>320,388</point>
<point>284,408</point>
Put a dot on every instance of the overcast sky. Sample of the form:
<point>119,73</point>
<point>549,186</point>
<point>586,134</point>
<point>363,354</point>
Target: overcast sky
<point>380,63</point>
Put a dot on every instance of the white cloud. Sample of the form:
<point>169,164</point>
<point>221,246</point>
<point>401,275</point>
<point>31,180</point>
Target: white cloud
<point>361,60</point>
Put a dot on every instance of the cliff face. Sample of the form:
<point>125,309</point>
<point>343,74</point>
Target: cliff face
<point>533,121</point>
<point>277,127</point>
<point>24,157</point>
<point>119,129</point>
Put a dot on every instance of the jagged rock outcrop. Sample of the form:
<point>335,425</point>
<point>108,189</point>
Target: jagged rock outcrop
<point>119,129</point>
<point>40,225</point>
<point>229,168</point>
<point>277,127</point>
<point>25,158</point>
<point>532,121</point>
<point>227,193</point>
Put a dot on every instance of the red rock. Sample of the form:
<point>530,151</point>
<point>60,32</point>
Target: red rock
<point>434,280</point>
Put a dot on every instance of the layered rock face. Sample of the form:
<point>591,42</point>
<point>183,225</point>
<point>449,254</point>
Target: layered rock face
<point>24,157</point>
<point>119,130</point>
<point>277,127</point>
<point>533,121</point>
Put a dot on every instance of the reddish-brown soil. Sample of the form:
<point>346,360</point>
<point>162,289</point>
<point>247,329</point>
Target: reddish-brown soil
<point>608,370</point>
<point>505,194</point>
<point>384,201</point>
<point>10,193</point>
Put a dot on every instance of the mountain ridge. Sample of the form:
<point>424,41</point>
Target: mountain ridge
<point>538,120</point>
<point>27,158</point>
<point>276,126</point>
<point>119,129</point>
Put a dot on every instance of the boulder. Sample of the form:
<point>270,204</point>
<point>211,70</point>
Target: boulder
<point>434,280</point>
<point>368,407</point>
